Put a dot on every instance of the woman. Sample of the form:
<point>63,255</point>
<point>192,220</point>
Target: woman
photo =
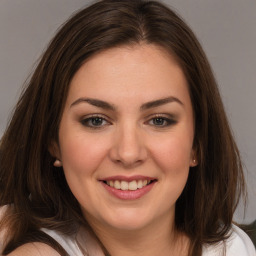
<point>120,144</point>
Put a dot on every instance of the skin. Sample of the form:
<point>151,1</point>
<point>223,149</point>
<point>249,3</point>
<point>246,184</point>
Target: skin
<point>34,249</point>
<point>129,140</point>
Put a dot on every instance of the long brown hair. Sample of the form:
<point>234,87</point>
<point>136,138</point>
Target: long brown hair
<point>37,193</point>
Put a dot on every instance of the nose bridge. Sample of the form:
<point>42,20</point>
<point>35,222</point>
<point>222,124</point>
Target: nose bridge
<point>129,147</point>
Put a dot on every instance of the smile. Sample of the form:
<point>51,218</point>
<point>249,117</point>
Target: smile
<point>128,188</point>
<point>125,185</point>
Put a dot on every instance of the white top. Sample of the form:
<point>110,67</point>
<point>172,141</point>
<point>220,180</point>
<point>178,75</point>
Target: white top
<point>239,244</point>
<point>83,244</point>
<point>68,243</point>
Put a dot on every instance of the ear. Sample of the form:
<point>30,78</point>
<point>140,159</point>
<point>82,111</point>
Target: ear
<point>193,159</point>
<point>54,150</point>
<point>55,153</point>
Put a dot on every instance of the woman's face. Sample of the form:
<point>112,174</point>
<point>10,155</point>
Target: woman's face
<point>126,136</point>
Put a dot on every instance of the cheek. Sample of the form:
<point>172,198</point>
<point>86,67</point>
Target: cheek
<point>173,155</point>
<point>81,158</point>
<point>81,154</point>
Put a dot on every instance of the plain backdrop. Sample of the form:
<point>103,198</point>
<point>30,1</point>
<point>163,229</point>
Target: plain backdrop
<point>225,28</point>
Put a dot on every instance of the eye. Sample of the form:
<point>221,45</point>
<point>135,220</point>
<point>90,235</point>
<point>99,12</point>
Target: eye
<point>95,122</point>
<point>162,121</point>
<point>159,121</point>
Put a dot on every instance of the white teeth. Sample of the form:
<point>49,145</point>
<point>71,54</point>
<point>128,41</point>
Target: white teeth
<point>124,185</point>
<point>133,185</point>
<point>139,184</point>
<point>117,184</point>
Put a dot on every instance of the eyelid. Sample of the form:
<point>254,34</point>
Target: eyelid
<point>170,118</point>
<point>162,115</point>
<point>95,115</point>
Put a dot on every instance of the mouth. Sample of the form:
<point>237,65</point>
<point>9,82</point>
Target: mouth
<point>128,188</point>
<point>132,185</point>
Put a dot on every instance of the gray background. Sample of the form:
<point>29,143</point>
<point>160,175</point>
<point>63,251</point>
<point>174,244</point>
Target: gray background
<point>226,29</point>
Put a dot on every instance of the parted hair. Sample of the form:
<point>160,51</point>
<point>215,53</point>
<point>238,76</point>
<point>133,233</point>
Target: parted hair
<point>37,193</point>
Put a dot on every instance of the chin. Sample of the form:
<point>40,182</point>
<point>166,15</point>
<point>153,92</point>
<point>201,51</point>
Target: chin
<point>128,220</point>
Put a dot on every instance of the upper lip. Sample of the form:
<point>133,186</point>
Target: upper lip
<point>128,179</point>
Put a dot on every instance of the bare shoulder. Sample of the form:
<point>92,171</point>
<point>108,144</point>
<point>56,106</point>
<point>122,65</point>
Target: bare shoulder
<point>34,249</point>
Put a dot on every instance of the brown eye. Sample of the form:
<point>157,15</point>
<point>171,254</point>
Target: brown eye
<point>161,122</point>
<point>94,122</point>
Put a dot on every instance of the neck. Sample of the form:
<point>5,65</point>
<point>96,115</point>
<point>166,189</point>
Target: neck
<point>159,238</point>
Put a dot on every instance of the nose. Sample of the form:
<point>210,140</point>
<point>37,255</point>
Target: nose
<point>128,148</point>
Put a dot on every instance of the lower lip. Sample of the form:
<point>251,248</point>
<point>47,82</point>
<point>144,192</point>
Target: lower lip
<point>129,194</point>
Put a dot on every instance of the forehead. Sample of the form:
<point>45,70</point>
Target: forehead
<point>141,72</point>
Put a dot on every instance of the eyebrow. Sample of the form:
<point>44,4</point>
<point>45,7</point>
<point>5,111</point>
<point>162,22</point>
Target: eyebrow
<point>160,102</point>
<point>95,102</point>
<point>148,105</point>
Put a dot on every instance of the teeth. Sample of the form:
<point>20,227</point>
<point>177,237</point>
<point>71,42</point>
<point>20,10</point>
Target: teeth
<point>133,185</point>
<point>124,185</point>
<point>117,184</point>
<point>139,184</point>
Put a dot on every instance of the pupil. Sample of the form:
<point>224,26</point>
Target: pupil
<point>158,121</point>
<point>97,121</point>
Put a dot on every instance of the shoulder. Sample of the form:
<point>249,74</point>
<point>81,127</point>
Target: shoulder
<point>2,229</point>
<point>238,244</point>
<point>34,249</point>
<point>29,249</point>
<point>68,242</point>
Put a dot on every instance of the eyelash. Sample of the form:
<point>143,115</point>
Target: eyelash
<point>165,121</point>
<point>87,122</point>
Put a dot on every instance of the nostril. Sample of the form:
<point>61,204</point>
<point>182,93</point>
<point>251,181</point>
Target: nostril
<point>128,151</point>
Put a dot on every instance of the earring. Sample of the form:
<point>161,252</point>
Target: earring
<point>194,162</point>
<point>57,163</point>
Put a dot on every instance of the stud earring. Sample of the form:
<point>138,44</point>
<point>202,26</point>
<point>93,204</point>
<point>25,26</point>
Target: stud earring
<point>57,163</point>
<point>194,163</point>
